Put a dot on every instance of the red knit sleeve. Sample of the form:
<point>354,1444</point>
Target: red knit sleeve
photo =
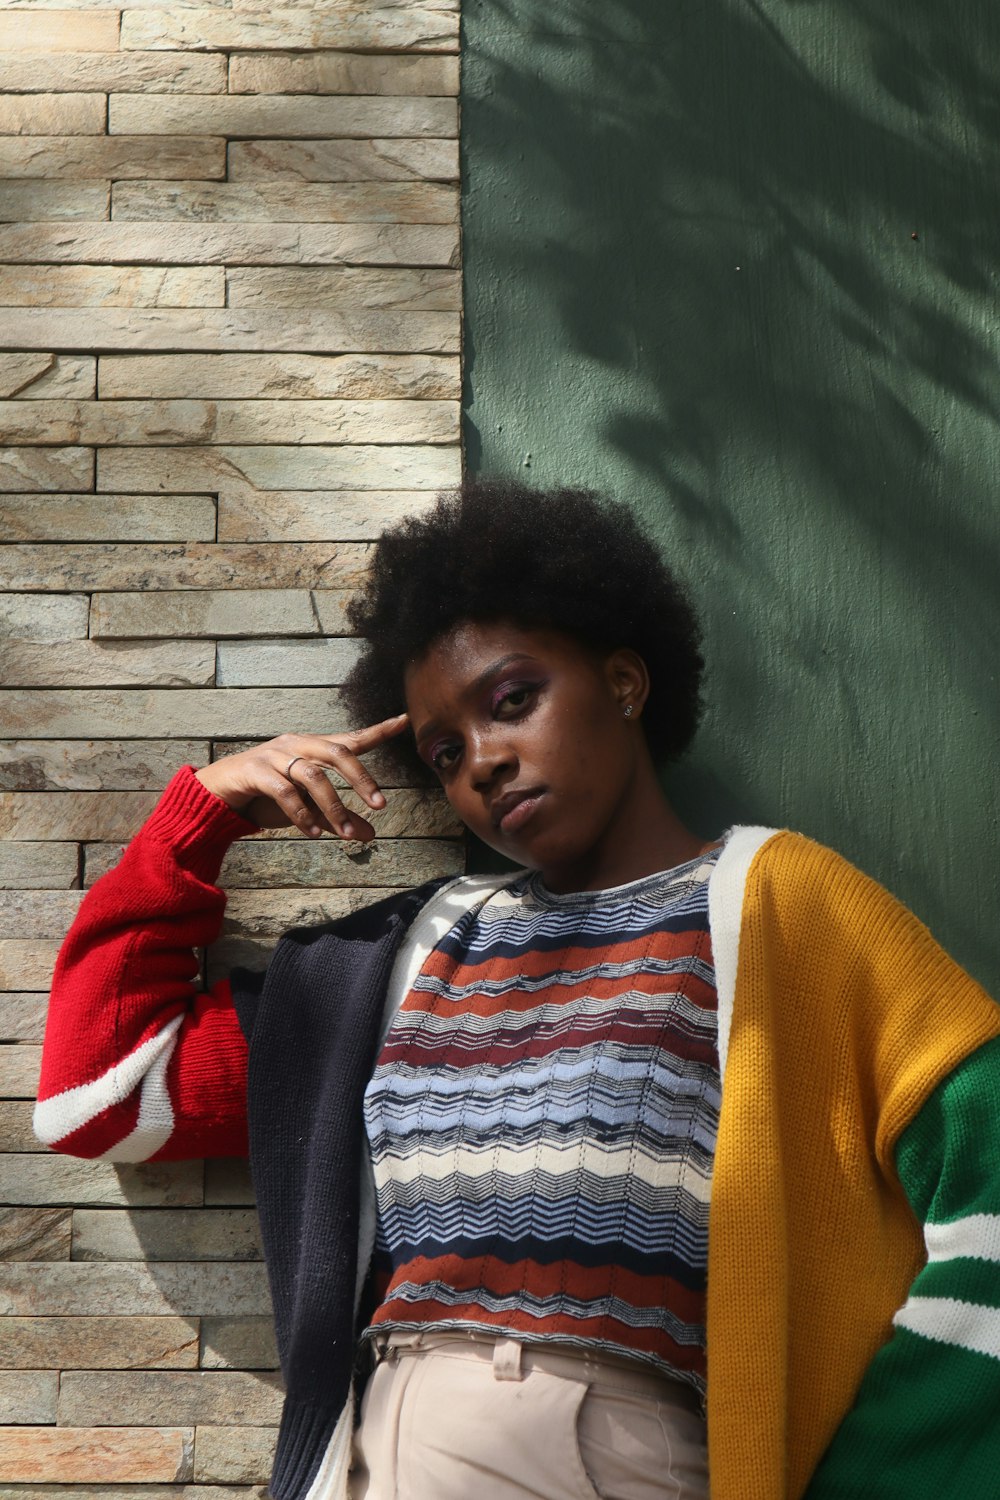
<point>137,1064</point>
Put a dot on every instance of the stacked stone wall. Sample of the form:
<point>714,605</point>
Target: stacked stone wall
<point>229,354</point>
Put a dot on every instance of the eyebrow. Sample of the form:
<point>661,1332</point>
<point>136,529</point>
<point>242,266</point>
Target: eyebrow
<point>476,685</point>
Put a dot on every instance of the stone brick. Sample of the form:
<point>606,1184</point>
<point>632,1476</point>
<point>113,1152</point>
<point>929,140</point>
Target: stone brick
<point>208,612</point>
<point>350,468</point>
<point>111,286</point>
<point>28,1395</point>
<point>344,160</point>
<point>52,114</point>
<point>42,617</point>
<point>44,376</point>
<point>238,1344</point>
<point>231,953</point>
<point>115,156</point>
<point>302,377</point>
<point>92,518</point>
<point>22,1017</point>
<point>129,1492</point>
<point>345,287</point>
<point>16,1133</point>
<point>172,4</point>
<point>331,610</point>
<point>168,1288</point>
<point>340,73</point>
<point>410,813</point>
<point>74,815</point>
<point>234,1455</point>
<point>34,1234</point>
<point>95,765</point>
<point>101,1343</point>
<point>229,1234</point>
<point>176,1398</point>
<point>247,514</point>
<point>21,202</point>
<point>281,116</point>
<point>284,27</point>
<point>105,664</point>
<point>227,1181</point>
<point>136,423</point>
<point>38,866</point>
<point>29,1454</point>
<point>55,1179</point>
<point>20,1062</point>
<point>341,467</point>
<point>119,329</point>
<point>155,72</point>
<point>45,469</point>
<point>102,5</point>
<point>267,915</point>
<point>288,202</point>
<point>198,565</point>
<point>23,30</point>
<point>37,914</point>
<point>241,244</point>
<point>284,663</point>
<point>183,713</point>
<point>23,966</point>
<point>326,862</point>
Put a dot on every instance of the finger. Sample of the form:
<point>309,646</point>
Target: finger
<point>318,792</point>
<point>356,774</point>
<point>266,813</point>
<point>280,791</point>
<point>375,734</point>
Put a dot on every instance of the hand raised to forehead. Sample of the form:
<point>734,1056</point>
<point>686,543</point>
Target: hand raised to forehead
<point>286,781</point>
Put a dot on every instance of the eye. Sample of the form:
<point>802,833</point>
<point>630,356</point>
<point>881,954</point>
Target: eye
<point>443,757</point>
<point>513,698</point>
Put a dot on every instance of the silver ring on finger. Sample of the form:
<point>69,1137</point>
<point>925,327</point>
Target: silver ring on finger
<point>288,768</point>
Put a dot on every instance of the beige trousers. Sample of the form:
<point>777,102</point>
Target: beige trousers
<point>450,1417</point>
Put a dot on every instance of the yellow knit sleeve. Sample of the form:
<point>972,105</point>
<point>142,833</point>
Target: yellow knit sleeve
<point>846,1015</point>
<point>907,1012</point>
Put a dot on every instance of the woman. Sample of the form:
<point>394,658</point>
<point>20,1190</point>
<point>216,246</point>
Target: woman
<point>484,1116</point>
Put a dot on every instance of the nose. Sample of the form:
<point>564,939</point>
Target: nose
<point>487,754</point>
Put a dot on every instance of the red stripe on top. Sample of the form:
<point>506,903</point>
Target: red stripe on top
<point>551,962</point>
<point>463,1049</point>
<point>599,987</point>
<point>565,1278</point>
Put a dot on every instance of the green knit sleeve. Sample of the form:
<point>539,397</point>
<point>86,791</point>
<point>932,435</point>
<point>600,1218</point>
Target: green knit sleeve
<point>926,1422</point>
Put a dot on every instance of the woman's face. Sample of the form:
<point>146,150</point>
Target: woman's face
<point>527,732</point>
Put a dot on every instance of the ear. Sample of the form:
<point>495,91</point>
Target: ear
<point>628,678</point>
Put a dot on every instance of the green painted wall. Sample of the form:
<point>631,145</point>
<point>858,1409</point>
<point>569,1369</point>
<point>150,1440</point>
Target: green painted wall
<point>737,263</point>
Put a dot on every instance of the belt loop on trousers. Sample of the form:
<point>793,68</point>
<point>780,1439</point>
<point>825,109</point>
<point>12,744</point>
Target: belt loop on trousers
<point>507,1360</point>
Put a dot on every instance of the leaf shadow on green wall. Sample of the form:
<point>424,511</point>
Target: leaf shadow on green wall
<point>738,263</point>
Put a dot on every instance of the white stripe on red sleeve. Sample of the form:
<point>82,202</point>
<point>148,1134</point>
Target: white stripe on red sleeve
<point>146,1069</point>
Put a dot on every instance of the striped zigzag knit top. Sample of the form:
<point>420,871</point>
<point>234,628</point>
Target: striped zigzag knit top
<point>542,1122</point>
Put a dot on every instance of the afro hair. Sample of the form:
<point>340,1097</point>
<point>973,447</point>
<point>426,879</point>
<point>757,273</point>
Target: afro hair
<point>561,559</point>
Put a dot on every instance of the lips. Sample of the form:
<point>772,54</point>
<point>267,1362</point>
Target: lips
<point>511,811</point>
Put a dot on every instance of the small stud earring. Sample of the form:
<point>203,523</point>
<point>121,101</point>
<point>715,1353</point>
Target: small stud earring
<point>628,710</point>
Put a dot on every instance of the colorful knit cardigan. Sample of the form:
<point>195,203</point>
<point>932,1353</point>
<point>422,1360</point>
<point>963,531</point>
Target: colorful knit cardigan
<point>857,1174</point>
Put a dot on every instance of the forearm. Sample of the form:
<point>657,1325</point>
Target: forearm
<point>129,1038</point>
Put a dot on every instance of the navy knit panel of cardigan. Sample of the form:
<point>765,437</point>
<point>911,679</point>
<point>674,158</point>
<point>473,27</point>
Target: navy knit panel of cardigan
<point>542,1121</point>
